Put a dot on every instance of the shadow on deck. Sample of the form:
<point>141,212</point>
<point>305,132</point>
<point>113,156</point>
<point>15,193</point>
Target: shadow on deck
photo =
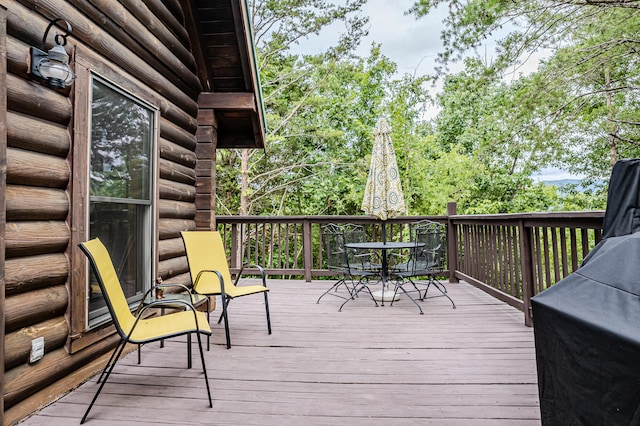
<point>474,365</point>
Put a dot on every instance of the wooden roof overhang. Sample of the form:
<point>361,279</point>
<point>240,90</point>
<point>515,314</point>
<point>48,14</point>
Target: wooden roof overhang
<point>227,67</point>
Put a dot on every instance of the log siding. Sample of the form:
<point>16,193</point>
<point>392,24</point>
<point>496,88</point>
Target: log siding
<point>146,48</point>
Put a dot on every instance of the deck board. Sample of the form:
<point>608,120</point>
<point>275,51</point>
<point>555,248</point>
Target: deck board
<point>474,365</point>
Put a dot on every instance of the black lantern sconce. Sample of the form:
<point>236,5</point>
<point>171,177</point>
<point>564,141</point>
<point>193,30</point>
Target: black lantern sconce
<point>52,66</point>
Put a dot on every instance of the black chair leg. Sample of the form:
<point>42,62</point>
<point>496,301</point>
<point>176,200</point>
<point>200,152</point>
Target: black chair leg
<point>225,303</point>
<point>334,287</point>
<point>113,354</point>
<point>204,369</point>
<point>355,294</point>
<point>108,369</point>
<point>266,306</point>
<point>440,288</point>
<point>406,293</point>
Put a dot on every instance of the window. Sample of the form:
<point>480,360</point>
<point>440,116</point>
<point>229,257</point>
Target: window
<point>121,190</point>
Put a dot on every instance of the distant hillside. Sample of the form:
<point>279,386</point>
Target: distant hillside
<point>561,183</point>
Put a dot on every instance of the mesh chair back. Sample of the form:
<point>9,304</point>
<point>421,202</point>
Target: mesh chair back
<point>430,258</point>
<point>105,273</point>
<point>334,247</point>
<point>205,252</point>
<point>357,259</point>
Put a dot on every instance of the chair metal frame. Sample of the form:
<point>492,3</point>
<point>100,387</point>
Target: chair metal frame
<point>355,266</point>
<point>333,239</point>
<point>139,328</point>
<point>210,274</point>
<point>425,261</point>
<point>359,262</point>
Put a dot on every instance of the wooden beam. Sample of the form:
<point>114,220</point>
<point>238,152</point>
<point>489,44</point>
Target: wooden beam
<point>228,101</point>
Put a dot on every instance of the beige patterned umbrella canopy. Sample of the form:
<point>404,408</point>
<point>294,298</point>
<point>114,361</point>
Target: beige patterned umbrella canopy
<point>383,196</point>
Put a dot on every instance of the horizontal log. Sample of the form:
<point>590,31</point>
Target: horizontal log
<point>17,345</point>
<point>120,24</point>
<point>173,267</point>
<point>205,168</point>
<point>205,185</point>
<point>34,238</point>
<point>170,209</point>
<point>185,119</point>
<point>27,26</point>
<point>183,278</point>
<point>174,7</point>
<point>34,203</point>
<point>25,380</point>
<point>180,136</point>
<point>166,30</point>
<point>32,168</point>
<point>170,228</point>
<point>27,273</point>
<point>160,9</point>
<point>172,247</point>
<point>204,219</point>
<point>69,373</point>
<point>177,154</point>
<point>16,51</point>
<point>176,191</point>
<point>238,101</point>
<point>33,99</point>
<point>38,135</point>
<point>205,202</point>
<point>176,172</point>
<point>32,307</point>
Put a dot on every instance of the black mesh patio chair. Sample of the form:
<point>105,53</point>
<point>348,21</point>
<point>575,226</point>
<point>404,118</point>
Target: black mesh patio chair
<point>428,260</point>
<point>333,239</point>
<point>359,260</point>
<point>355,266</point>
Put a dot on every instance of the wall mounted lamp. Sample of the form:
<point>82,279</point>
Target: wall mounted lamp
<point>52,66</point>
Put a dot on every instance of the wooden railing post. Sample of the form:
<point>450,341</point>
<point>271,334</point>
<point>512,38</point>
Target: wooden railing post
<point>526,259</point>
<point>452,238</point>
<point>307,247</point>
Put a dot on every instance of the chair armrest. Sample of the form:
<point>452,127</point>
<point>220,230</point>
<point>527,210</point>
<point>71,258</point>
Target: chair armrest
<point>211,271</point>
<point>147,300</point>
<point>263,275</point>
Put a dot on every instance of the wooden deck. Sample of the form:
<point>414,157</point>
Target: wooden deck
<point>474,365</point>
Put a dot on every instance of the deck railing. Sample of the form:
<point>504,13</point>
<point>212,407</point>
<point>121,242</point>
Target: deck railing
<point>511,256</point>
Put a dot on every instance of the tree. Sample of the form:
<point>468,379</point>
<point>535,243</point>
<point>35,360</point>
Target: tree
<point>289,83</point>
<point>579,107</point>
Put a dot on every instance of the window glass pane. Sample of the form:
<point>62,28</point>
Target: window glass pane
<point>121,228</point>
<point>120,190</point>
<point>120,141</point>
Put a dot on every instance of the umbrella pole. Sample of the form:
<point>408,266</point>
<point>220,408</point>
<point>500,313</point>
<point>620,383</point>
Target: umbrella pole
<point>384,259</point>
<point>384,231</point>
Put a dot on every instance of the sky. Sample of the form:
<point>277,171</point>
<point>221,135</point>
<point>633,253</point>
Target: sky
<point>409,42</point>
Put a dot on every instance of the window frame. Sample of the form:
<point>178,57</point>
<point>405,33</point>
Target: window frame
<point>87,65</point>
<point>101,315</point>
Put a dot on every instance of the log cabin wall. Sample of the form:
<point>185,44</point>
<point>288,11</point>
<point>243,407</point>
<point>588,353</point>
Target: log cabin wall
<point>141,41</point>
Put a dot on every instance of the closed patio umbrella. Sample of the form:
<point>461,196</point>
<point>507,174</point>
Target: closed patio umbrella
<point>383,196</point>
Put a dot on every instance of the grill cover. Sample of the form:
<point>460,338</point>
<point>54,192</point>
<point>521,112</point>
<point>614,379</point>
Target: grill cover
<point>587,326</point>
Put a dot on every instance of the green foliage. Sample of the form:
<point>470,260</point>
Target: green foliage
<point>495,128</point>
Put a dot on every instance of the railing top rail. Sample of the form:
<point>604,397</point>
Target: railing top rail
<point>323,219</point>
<point>589,219</point>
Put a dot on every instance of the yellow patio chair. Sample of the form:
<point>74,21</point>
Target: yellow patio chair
<point>210,273</point>
<point>137,329</point>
